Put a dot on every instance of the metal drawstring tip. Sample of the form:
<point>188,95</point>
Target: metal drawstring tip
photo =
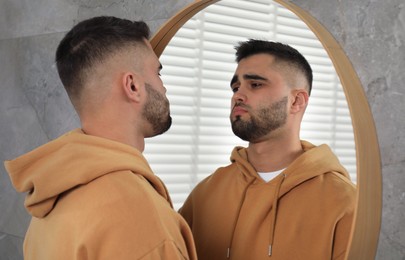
<point>228,253</point>
<point>270,250</point>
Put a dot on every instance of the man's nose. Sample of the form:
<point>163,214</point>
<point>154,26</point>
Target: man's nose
<point>240,96</point>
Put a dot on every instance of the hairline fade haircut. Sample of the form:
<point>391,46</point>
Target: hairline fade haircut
<point>91,42</point>
<point>281,52</point>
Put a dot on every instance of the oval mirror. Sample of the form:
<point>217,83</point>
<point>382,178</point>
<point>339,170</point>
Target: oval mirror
<point>197,58</point>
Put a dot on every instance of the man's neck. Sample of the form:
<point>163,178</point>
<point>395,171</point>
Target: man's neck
<point>273,155</point>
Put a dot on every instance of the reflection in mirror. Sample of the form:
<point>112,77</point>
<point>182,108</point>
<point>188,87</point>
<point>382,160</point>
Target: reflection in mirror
<point>198,64</point>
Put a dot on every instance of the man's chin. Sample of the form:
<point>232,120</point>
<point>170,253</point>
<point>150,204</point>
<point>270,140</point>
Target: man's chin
<point>163,128</point>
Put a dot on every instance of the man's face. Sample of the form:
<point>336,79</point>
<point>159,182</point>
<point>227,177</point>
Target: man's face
<point>260,99</point>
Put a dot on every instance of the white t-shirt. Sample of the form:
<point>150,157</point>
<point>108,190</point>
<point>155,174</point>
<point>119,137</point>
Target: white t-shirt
<point>268,176</point>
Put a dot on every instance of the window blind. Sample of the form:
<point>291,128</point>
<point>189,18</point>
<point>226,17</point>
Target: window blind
<point>198,65</point>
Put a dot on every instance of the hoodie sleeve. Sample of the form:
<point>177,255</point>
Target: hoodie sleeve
<point>166,250</point>
<point>114,247</point>
<point>342,235</point>
<point>187,210</point>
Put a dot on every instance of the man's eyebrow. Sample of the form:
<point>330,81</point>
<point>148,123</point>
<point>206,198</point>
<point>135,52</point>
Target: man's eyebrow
<point>254,76</point>
<point>248,77</point>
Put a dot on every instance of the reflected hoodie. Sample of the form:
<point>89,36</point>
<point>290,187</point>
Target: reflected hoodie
<point>93,198</point>
<point>306,212</point>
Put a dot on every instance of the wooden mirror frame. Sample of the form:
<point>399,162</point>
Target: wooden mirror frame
<point>367,221</point>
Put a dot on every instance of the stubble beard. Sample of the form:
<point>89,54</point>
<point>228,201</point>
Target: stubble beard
<point>261,123</point>
<point>157,111</point>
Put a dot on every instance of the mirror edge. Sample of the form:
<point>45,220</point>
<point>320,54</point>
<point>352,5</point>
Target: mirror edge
<point>364,236</point>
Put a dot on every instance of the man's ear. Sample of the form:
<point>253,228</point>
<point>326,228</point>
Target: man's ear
<point>133,86</point>
<point>300,100</point>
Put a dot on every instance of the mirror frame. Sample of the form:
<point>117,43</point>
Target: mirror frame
<point>365,232</point>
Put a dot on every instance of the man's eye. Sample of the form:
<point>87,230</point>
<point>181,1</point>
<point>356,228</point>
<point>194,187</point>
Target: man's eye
<point>235,89</point>
<point>256,85</point>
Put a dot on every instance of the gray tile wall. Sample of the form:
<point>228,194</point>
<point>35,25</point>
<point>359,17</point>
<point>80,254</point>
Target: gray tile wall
<point>34,109</point>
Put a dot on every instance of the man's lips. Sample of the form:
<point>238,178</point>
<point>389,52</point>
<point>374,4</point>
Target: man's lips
<point>238,110</point>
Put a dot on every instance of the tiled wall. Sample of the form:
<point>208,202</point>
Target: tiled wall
<point>35,109</point>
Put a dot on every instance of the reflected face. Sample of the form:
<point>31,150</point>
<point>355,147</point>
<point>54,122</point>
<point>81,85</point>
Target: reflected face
<point>260,99</point>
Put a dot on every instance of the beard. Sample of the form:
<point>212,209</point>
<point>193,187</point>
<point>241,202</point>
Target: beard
<point>157,111</point>
<point>262,122</point>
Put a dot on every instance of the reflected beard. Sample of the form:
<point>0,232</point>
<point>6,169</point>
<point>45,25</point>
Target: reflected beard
<point>265,121</point>
<point>157,111</point>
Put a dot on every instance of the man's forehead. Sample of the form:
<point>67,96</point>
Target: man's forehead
<point>147,43</point>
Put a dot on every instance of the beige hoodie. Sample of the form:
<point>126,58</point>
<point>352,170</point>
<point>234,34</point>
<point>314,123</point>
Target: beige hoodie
<point>93,198</point>
<point>306,212</point>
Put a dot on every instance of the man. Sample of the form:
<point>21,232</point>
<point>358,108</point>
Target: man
<point>280,198</point>
<point>91,193</point>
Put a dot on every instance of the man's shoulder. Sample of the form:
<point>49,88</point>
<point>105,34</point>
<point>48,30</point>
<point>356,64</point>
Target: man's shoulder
<point>340,181</point>
<point>123,191</point>
<point>125,185</point>
<point>338,188</point>
<point>221,174</point>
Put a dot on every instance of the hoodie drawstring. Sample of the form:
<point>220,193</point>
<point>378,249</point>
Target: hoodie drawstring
<point>228,252</point>
<point>274,213</point>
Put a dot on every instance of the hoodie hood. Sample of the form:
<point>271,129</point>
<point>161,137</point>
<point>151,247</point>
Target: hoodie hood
<point>71,160</point>
<point>315,161</point>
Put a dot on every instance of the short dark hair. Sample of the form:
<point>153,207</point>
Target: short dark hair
<point>92,41</point>
<point>280,51</point>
